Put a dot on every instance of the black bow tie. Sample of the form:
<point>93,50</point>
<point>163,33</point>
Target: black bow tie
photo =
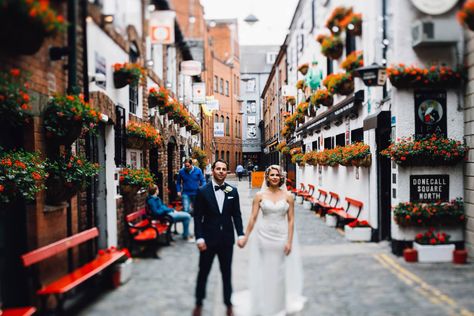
<point>219,187</point>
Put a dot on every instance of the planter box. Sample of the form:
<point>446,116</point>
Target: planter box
<point>436,253</point>
<point>122,272</point>
<point>307,205</point>
<point>358,233</point>
<point>299,199</point>
<point>331,220</point>
<point>409,233</point>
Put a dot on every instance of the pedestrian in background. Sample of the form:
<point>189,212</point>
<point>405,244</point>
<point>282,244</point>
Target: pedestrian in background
<point>240,171</point>
<point>190,178</point>
<point>208,171</point>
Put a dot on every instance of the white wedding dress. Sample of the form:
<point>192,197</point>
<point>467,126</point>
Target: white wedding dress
<point>275,280</point>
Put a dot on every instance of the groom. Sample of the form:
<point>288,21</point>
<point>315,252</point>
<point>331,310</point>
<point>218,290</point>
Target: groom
<point>216,212</point>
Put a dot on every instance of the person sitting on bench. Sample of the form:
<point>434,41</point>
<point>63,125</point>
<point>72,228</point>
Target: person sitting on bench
<point>158,208</point>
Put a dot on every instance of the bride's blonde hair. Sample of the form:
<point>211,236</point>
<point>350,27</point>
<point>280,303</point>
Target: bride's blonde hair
<point>280,172</point>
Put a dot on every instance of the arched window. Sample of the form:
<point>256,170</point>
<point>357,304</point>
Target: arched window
<point>228,157</point>
<point>222,118</point>
<point>222,155</point>
<point>227,126</point>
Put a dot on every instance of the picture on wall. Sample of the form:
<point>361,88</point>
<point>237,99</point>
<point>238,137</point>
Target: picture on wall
<point>430,113</point>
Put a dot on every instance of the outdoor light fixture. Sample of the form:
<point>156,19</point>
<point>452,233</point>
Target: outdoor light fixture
<point>212,23</point>
<point>149,63</point>
<point>192,19</point>
<point>168,85</point>
<point>335,29</point>
<point>151,7</point>
<point>107,19</point>
<point>251,19</point>
<point>373,75</point>
<point>350,26</point>
<point>326,127</point>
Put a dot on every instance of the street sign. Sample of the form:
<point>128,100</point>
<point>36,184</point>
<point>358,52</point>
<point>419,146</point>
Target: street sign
<point>429,188</point>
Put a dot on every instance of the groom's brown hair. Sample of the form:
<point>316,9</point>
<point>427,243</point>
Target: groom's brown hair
<point>220,160</point>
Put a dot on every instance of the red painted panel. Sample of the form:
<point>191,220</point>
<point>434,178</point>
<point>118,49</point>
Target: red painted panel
<point>20,311</point>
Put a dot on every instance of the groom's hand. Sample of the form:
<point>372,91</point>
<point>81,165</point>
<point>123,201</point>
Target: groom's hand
<point>201,246</point>
<point>241,242</point>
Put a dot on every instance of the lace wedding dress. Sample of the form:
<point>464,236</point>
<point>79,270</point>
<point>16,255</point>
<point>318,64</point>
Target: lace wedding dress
<point>275,280</point>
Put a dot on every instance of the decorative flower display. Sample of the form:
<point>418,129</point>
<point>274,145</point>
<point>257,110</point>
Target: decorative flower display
<point>430,214</point>
<point>127,73</point>
<point>14,99</point>
<point>22,175</point>
<point>358,223</point>
<point>434,150</point>
<point>402,76</point>
<point>291,100</point>
<point>432,238</point>
<point>333,22</point>
<point>159,98</point>
<point>466,14</point>
<point>297,159</point>
<point>331,46</point>
<point>352,23</point>
<point>302,108</point>
<point>340,83</point>
<point>141,178</point>
<point>300,84</point>
<point>285,150</point>
<point>322,97</point>
<point>296,150</point>
<point>356,154</point>
<point>353,61</point>
<point>200,155</point>
<point>67,115</point>
<point>144,131</point>
<point>303,68</point>
<point>280,146</point>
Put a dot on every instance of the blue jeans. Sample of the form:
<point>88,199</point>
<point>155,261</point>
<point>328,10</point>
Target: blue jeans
<point>188,202</point>
<point>183,217</point>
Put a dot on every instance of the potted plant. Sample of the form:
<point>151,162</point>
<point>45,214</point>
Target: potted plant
<point>291,100</point>
<point>331,46</point>
<point>159,98</point>
<point>430,151</point>
<point>357,154</point>
<point>127,73</point>
<point>353,61</point>
<point>140,135</point>
<point>66,116</point>
<point>26,23</point>
<point>200,155</point>
<point>333,22</point>
<point>438,213</point>
<point>68,174</point>
<point>132,180</point>
<point>436,76</point>
<point>466,14</point>
<point>433,247</point>
<point>322,97</point>
<point>303,68</point>
<point>352,23</point>
<point>339,83</point>
<point>22,175</point>
<point>358,230</point>
<point>14,99</point>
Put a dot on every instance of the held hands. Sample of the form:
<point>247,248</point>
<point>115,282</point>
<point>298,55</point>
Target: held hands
<point>287,248</point>
<point>242,242</point>
<point>201,246</point>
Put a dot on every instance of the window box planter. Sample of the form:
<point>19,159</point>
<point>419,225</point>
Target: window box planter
<point>331,220</point>
<point>136,142</point>
<point>436,253</point>
<point>358,233</point>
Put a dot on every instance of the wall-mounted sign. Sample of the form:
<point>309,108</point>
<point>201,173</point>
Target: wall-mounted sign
<point>162,27</point>
<point>251,119</point>
<point>199,92</point>
<point>212,104</point>
<point>434,7</point>
<point>219,129</point>
<point>191,68</point>
<point>430,113</point>
<point>429,188</point>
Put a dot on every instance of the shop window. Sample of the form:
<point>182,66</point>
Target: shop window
<point>315,145</point>
<point>330,67</point>
<point>329,143</point>
<point>133,89</point>
<point>357,135</point>
<point>341,140</point>
<point>227,126</point>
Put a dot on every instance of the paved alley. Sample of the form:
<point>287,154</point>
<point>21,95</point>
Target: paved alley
<point>341,278</point>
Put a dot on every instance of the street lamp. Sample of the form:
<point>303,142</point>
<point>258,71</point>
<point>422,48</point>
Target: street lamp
<point>373,75</point>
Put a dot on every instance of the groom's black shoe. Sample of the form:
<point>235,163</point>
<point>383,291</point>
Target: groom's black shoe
<point>229,312</point>
<point>197,310</point>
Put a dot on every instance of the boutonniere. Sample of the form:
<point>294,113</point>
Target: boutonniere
<point>228,189</point>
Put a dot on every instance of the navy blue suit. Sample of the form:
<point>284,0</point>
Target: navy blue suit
<point>217,229</point>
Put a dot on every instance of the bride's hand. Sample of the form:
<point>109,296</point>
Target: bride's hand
<point>287,248</point>
<point>242,242</point>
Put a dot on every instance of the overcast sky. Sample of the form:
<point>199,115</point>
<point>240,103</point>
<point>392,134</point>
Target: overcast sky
<point>274,18</point>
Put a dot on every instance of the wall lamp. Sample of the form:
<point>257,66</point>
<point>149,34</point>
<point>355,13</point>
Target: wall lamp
<point>107,19</point>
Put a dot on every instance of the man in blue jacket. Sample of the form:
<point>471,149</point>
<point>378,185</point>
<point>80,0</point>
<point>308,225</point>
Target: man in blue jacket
<point>158,208</point>
<point>190,178</point>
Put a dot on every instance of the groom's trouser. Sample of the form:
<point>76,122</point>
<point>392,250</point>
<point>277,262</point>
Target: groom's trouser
<point>224,254</point>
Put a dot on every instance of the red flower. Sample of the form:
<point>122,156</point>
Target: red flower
<point>36,175</point>
<point>2,188</point>
<point>15,72</point>
<point>419,236</point>
<point>433,241</point>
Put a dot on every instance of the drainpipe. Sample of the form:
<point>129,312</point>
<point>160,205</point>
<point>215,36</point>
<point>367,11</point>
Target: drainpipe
<point>384,36</point>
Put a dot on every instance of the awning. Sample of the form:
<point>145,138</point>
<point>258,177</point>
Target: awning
<point>347,107</point>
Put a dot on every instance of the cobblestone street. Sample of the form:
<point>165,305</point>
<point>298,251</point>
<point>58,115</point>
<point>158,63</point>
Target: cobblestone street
<point>341,278</point>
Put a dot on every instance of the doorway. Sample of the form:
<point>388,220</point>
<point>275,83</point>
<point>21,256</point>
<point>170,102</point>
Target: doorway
<point>171,153</point>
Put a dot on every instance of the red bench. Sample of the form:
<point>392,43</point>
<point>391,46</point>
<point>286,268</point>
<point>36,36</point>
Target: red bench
<point>320,204</point>
<point>18,311</point>
<point>145,231</point>
<point>309,195</point>
<point>63,285</point>
<point>290,185</point>
<point>343,216</point>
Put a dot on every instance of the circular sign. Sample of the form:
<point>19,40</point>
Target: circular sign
<point>434,7</point>
<point>430,112</point>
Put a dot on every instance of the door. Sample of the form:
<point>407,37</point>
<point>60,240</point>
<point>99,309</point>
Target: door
<point>101,197</point>
<point>155,171</point>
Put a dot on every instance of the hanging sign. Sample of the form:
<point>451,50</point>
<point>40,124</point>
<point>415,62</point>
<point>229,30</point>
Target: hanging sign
<point>199,92</point>
<point>212,104</point>
<point>430,113</point>
<point>429,188</point>
<point>161,26</point>
<point>191,68</point>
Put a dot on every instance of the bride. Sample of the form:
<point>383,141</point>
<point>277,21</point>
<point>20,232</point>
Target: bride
<point>276,275</point>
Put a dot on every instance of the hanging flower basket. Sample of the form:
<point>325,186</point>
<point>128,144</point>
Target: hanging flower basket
<point>291,100</point>
<point>303,69</point>
<point>59,192</point>
<point>132,180</point>
<point>129,190</point>
<point>409,77</point>
<point>353,61</point>
<point>352,23</point>
<point>159,98</point>
<point>26,24</point>
<point>341,83</point>
<point>322,97</point>
<point>333,22</point>
<point>14,98</point>
<point>135,142</point>
<point>141,135</point>
<point>466,14</point>
<point>126,73</point>
<point>331,46</point>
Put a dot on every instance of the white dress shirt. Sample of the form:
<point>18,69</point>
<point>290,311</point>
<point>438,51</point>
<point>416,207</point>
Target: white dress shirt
<point>220,196</point>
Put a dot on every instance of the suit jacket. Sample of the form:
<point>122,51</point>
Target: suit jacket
<point>209,223</point>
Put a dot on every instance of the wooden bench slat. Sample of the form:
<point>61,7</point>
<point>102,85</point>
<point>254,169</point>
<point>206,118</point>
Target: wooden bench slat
<point>80,275</point>
<point>58,246</point>
<point>19,311</point>
<point>354,202</point>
